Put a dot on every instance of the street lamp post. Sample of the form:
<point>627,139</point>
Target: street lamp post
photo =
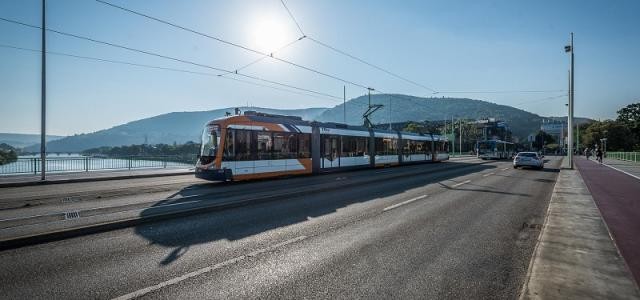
<point>569,49</point>
<point>43,105</point>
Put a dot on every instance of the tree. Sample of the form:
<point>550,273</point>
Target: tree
<point>629,116</point>
<point>542,138</point>
<point>618,135</point>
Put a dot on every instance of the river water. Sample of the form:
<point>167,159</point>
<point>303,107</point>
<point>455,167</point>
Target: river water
<point>30,164</point>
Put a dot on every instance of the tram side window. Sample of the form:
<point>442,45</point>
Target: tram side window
<point>304,150</point>
<point>285,145</point>
<point>242,145</point>
<point>363,146</point>
<point>264,145</point>
<point>353,146</point>
<point>229,145</point>
<point>386,146</point>
<point>413,147</point>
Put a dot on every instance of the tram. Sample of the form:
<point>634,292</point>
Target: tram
<point>495,149</point>
<point>258,145</point>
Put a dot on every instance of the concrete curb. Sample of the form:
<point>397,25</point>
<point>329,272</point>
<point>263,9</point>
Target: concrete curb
<point>51,236</point>
<point>90,179</point>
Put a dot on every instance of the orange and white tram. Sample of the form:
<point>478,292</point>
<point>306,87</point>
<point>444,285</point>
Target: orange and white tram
<point>257,145</point>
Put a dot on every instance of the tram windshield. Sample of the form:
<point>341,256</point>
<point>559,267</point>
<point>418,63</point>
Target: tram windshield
<point>210,141</point>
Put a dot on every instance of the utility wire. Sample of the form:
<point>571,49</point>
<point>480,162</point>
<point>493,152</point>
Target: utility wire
<point>235,45</point>
<point>370,64</point>
<point>292,17</point>
<point>353,56</point>
<point>173,58</point>
<point>263,57</point>
<point>97,59</point>
<point>540,100</point>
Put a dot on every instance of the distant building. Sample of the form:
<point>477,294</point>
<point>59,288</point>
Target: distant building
<point>557,129</point>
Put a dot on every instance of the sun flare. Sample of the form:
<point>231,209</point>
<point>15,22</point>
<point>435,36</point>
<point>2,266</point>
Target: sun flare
<point>269,34</point>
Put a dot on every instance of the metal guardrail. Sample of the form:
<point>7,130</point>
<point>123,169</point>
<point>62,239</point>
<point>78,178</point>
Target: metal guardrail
<point>626,156</point>
<point>88,163</point>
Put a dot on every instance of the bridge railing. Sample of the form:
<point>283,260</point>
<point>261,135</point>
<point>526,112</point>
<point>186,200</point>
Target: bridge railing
<point>32,165</point>
<point>626,156</point>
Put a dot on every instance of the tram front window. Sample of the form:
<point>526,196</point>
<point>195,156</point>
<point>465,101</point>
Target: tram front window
<point>210,143</point>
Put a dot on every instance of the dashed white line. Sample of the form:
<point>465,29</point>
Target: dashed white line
<point>461,183</point>
<point>144,291</point>
<point>505,169</point>
<point>488,174</point>
<point>404,202</point>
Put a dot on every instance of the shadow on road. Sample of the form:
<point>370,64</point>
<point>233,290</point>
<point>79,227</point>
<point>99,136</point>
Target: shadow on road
<point>242,222</point>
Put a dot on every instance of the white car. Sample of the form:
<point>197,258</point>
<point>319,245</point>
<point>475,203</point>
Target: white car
<point>528,159</point>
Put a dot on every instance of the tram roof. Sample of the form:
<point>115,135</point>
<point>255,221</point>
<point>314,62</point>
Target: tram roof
<point>295,120</point>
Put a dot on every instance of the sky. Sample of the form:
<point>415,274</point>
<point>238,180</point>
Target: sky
<point>473,49</point>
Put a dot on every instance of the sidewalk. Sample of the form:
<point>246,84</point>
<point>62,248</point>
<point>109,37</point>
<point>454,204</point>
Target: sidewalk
<point>618,198</point>
<point>575,257</point>
<point>68,177</point>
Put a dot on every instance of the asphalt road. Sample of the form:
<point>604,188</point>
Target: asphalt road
<point>465,232</point>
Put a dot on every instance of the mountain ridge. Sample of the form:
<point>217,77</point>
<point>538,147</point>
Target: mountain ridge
<point>181,127</point>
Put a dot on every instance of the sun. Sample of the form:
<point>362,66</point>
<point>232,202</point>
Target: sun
<point>269,34</point>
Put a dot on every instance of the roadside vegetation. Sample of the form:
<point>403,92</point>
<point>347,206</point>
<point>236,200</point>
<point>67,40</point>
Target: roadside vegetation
<point>176,152</point>
<point>622,134</point>
<point>8,154</point>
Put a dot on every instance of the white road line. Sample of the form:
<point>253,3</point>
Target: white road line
<point>625,172</point>
<point>461,183</point>
<point>504,169</point>
<point>488,174</point>
<point>142,292</point>
<point>404,202</point>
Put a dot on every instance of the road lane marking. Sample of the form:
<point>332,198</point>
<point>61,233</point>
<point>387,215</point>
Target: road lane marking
<point>147,290</point>
<point>505,169</point>
<point>404,202</point>
<point>612,167</point>
<point>461,183</point>
<point>488,174</point>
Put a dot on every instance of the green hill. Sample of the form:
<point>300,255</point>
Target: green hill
<point>181,127</point>
<point>178,127</point>
<point>410,108</point>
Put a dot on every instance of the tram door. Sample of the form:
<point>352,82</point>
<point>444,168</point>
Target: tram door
<point>331,154</point>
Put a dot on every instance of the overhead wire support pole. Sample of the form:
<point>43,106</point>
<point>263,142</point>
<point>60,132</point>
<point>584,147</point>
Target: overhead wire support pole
<point>570,49</point>
<point>43,111</point>
<point>344,103</point>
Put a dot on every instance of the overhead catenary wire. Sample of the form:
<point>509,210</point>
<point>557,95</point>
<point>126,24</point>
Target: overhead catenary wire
<point>98,59</point>
<point>342,52</point>
<point>292,17</point>
<point>350,82</point>
<point>171,58</point>
<point>264,57</point>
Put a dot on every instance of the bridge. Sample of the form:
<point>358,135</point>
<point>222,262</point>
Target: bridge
<point>465,228</point>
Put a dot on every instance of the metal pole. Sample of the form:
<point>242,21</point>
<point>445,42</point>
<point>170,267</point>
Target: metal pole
<point>570,123</point>
<point>389,113</point>
<point>43,126</point>
<point>344,102</point>
<point>453,134</point>
<point>460,150</point>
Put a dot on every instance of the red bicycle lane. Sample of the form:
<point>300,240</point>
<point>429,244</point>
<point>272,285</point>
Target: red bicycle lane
<point>617,196</point>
